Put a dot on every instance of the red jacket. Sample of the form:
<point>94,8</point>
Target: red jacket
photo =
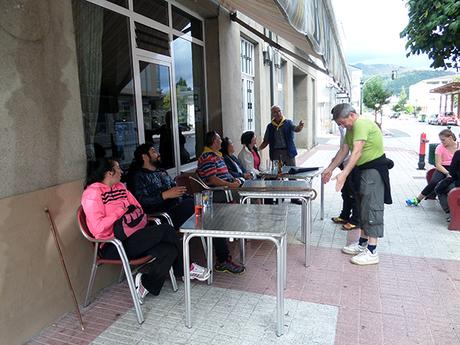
<point>104,205</point>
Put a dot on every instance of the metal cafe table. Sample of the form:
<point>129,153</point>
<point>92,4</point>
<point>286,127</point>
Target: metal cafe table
<point>244,222</point>
<point>282,189</point>
<point>297,173</point>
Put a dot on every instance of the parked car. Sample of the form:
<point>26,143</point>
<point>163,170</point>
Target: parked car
<point>448,119</point>
<point>433,120</point>
<point>394,115</point>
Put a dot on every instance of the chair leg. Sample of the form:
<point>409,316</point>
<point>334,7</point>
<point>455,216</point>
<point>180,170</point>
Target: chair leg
<point>137,305</point>
<point>173,279</point>
<point>121,276</point>
<point>90,284</point>
<point>203,242</point>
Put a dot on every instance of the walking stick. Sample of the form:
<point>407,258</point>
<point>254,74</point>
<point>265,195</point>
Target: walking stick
<point>57,241</point>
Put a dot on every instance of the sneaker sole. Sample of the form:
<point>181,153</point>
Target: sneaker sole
<point>364,263</point>
<point>227,271</point>
<point>201,279</point>
<point>350,252</point>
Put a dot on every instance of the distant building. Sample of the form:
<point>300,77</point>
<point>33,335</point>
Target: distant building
<point>430,103</point>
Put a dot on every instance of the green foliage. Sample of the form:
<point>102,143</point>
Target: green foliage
<point>375,94</point>
<point>402,102</point>
<point>434,29</point>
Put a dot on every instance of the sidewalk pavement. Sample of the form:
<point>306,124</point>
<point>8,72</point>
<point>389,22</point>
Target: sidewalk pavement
<point>411,297</point>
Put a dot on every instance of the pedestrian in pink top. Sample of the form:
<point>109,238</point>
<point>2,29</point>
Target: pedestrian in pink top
<point>443,157</point>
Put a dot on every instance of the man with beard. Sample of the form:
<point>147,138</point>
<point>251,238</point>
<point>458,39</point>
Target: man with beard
<point>156,191</point>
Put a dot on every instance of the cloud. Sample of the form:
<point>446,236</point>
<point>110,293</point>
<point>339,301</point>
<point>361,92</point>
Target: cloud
<point>370,30</point>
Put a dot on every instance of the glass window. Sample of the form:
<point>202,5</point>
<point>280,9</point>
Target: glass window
<point>186,23</point>
<point>123,3</point>
<point>247,57</point>
<point>189,74</point>
<point>154,9</point>
<point>156,109</point>
<point>106,87</point>
<point>152,40</point>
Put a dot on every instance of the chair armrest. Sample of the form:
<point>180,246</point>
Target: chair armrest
<point>154,217</point>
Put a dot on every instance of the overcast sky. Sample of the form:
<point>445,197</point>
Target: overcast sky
<point>370,32</point>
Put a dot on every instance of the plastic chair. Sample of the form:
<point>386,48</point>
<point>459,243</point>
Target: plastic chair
<point>124,261</point>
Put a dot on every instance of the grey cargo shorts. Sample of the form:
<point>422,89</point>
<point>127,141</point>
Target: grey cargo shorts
<point>371,203</point>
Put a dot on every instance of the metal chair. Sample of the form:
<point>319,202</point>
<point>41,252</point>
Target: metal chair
<point>124,261</point>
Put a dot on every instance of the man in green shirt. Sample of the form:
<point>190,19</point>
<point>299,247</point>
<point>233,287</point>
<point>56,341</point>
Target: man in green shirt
<point>369,168</point>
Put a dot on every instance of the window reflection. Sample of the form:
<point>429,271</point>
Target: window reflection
<point>189,73</point>
<point>153,9</point>
<point>186,23</point>
<point>105,74</point>
<point>151,39</point>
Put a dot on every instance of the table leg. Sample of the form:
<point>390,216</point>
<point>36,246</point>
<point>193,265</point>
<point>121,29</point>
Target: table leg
<point>322,199</point>
<point>186,252</point>
<point>284,245</point>
<point>279,288</point>
<point>210,260</point>
<point>302,221</point>
<point>242,251</point>
<point>308,224</point>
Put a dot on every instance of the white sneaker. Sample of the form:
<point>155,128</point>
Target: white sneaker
<point>365,258</point>
<point>140,289</point>
<point>199,273</point>
<point>353,249</point>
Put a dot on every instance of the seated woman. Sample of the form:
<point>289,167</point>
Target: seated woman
<point>445,186</point>
<point>443,158</point>
<point>249,155</point>
<point>232,162</point>
<point>112,211</point>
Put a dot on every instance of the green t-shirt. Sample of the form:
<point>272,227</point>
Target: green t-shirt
<point>368,131</point>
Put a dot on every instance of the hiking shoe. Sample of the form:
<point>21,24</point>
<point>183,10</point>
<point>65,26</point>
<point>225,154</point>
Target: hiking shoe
<point>349,226</point>
<point>199,273</point>
<point>338,220</point>
<point>353,249</point>
<point>412,202</point>
<point>140,289</point>
<point>229,266</point>
<point>365,258</point>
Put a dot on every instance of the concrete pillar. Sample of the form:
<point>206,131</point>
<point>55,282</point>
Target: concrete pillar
<point>213,75</point>
<point>230,75</point>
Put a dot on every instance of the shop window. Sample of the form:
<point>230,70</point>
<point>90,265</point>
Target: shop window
<point>151,39</point>
<point>186,23</point>
<point>122,3</point>
<point>156,10</point>
<point>190,94</point>
<point>106,86</point>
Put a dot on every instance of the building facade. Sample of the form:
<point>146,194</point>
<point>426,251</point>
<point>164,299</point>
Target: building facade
<point>83,79</point>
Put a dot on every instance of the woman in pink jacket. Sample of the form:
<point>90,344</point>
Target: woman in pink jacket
<point>112,211</point>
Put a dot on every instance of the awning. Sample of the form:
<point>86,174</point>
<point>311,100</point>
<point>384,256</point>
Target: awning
<point>309,25</point>
<point>447,89</point>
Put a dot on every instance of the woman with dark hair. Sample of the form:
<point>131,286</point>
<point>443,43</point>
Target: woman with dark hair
<point>232,162</point>
<point>443,158</point>
<point>249,155</point>
<point>113,212</point>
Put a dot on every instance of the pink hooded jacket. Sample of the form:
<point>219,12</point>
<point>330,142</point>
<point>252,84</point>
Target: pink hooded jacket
<point>104,205</point>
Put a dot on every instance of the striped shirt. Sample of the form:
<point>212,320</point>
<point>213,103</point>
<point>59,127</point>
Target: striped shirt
<point>211,164</point>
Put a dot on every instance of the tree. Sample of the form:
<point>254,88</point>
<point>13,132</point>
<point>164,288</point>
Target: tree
<point>401,105</point>
<point>375,95</point>
<point>434,29</point>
